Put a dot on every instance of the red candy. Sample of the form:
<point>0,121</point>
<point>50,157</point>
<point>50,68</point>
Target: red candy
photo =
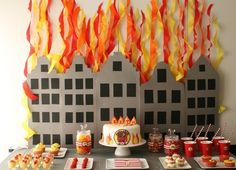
<point>74,163</point>
<point>85,162</point>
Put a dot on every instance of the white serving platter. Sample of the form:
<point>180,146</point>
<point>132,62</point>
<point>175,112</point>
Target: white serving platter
<point>79,164</point>
<point>110,164</point>
<point>61,153</point>
<point>186,164</point>
<point>219,165</point>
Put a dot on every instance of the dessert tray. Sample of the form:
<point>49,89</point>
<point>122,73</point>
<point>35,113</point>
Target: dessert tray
<point>126,163</point>
<point>79,164</point>
<point>61,153</point>
<point>123,150</point>
<point>186,164</point>
<point>219,165</point>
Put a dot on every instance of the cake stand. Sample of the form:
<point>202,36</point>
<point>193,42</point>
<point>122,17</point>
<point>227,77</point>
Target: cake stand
<point>123,150</point>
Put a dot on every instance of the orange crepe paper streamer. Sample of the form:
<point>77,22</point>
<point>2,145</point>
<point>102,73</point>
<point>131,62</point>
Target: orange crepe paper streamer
<point>209,30</point>
<point>28,92</point>
<point>202,28</point>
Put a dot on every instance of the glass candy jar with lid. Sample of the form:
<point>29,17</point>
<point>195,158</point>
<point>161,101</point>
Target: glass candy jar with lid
<point>171,142</point>
<point>83,140</point>
<point>155,141</point>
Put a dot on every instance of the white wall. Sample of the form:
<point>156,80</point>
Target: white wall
<point>14,20</point>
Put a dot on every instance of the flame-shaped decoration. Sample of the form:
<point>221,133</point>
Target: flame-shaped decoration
<point>127,121</point>
<point>121,120</point>
<point>135,139</point>
<point>133,121</point>
<point>114,121</point>
<point>109,140</point>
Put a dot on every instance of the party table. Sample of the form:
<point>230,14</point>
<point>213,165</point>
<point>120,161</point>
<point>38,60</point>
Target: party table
<point>100,156</point>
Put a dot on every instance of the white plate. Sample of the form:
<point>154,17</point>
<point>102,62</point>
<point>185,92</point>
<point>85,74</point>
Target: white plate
<point>219,165</point>
<point>79,164</point>
<point>110,164</point>
<point>186,165</point>
<point>143,141</point>
<point>61,153</point>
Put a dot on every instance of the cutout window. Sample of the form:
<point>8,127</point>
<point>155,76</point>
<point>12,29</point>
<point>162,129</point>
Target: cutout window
<point>45,99</point>
<point>131,112</point>
<point>118,90</point>
<point>191,103</point>
<point>201,84</point>
<point>56,138</point>
<point>79,117</point>
<point>47,139</point>
<point>78,68</point>
<point>118,112</point>
<point>148,96</point>
<point>104,90</point>
<point>201,102</point>
<point>55,117</point>
<point>161,75</point>
<point>161,117</point>
<point>34,83</point>
<point>35,101</point>
<point>89,99</point>
<point>46,117</point>
<point>211,102</point>
<point>211,84</point>
<point>68,99</point>
<point>191,85</point>
<point>131,90</point>
<point>55,83</point>
<point>44,68</point>
<point>117,66</point>
<point>201,119</point>
<point>69,117</point>
<point>161,96</point>
<point>191,120</point>
<point>148,118</point>
<point>211,119</point>
<point>55,99</point>
<point>89,117</point>
<point>36,139</point>
<point>35,117</point>
<point>69,139</point>
<point>79,84</point>
<point>175,117</point>
<point>68,84</point>
<point>79,99</point>
<point>176,96</point>
<point>202,68</point>
<point>44,83</point>
<point>89,83</point>
<point>105,114</point>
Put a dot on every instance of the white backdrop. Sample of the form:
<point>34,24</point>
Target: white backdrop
<point>14,20</point>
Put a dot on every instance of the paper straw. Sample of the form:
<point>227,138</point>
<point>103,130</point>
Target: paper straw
<point>215,134</point>
<point>199,133</point>
<point>208,128</point>
<point>193,131</point>
<point>222,131</point>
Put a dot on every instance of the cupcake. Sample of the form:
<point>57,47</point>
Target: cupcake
<point>35,164</point>
<point>175,156</point>
<point>229,163</point>
<point>211,163</point>
<point>180,161</point>
<point>11,164</point>
<point>205,158</point>
<point>171,164</point>
<point>167,159</point>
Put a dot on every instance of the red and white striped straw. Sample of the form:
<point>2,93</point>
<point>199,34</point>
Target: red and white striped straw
<point>199,133</point>
<point>215,134</point>
<point>193,131</point>
<point>208,128</point>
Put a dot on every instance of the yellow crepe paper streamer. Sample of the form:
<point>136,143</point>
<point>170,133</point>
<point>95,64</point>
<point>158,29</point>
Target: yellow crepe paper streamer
<point>222,109</point>
<point>219,50</point>
<point>29,131</point>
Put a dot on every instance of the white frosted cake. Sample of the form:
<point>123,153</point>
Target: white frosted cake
<point>121,132</point>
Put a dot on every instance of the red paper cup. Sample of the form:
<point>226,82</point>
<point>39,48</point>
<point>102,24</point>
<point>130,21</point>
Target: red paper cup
<point>199,139</point>
<point>189,148</point>
<point>216,140</point>
<point>206,148</point>
<point>224,147</point>
<point>183,139</point>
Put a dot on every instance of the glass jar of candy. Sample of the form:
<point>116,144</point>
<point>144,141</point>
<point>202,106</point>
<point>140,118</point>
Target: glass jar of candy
<point>155,141</point>
<point>83,140</point>
<point>171,142</point>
